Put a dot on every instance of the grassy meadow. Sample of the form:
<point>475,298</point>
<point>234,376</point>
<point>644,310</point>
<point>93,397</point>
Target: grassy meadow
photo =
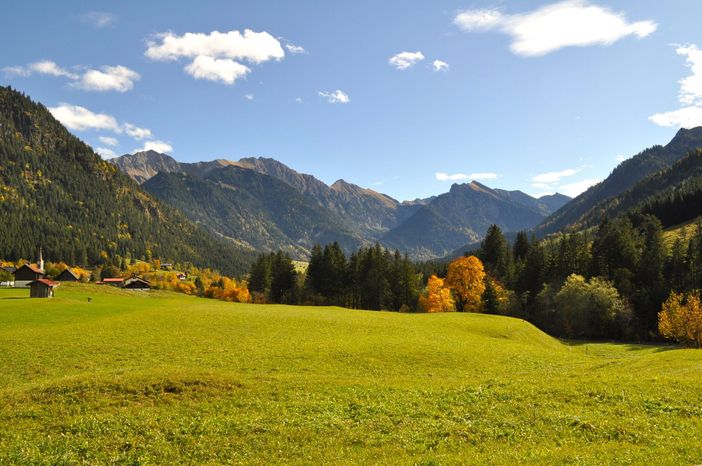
<point>163,378</point>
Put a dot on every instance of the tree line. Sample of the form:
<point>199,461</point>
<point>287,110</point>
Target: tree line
<point>609,282</point>
<point>369,278</point>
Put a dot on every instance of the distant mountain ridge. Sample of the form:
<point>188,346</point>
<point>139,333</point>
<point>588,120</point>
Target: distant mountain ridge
<point>673,194</point>
<point>249,207</point>
<point>582,210</point>
<point>463,216</point>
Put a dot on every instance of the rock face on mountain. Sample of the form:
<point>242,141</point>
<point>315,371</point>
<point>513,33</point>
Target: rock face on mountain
<point>256,201</point>
<point>252,209</point>
<point>368,211</point>
<point>623,178</point>
<point>143,165</point>
<point>462,216</point>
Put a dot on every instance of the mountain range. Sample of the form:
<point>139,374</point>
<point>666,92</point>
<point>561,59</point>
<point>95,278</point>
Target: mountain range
<point>60,195</point>
<point>264,205</point>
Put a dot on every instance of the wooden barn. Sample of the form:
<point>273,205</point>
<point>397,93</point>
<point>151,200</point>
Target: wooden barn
<point>118,282</point>
<point>42,288</point>
<point>68,275</point>
<point>136,283</point>
<point>27,274</point>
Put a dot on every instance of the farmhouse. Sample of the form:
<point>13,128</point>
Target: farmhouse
<point>68,275</point>
<point>118,282</point>
<point>136,283</point>
<point>28,273</point>
<point>42,288</point>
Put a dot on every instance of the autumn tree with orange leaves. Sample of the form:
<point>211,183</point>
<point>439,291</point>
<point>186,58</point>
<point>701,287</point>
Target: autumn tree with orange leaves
<point>681,319</point>
<point>438,297</point>
<point>466,278</point>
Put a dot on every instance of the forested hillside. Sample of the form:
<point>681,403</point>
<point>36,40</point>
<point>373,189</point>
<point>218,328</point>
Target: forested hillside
<point>624,177</point>
<point>258,211</point>
<point>55,192</point>
<point>673,195</point>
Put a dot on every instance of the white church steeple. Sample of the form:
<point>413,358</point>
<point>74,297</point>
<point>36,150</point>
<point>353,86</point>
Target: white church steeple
<point>40,260</point>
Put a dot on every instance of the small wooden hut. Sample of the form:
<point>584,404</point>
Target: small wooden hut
<point>42,288</point>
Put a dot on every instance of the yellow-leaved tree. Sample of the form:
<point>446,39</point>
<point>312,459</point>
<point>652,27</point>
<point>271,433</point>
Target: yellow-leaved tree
<point>466,277</point>
<point>437,297</point>
<point>681,319</point>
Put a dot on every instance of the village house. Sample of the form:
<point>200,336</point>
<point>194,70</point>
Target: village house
<point>42,288</point>
<point>68,275</point>
<point>136,283</point>
<point>118,282</point>
<point>28,273</point>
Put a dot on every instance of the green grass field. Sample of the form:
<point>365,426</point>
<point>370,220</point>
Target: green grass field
<point>162,378</point>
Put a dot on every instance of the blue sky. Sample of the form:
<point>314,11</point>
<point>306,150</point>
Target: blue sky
<point>405,97</point>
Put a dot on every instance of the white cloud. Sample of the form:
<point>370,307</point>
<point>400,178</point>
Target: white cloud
<point>136,132</point>
<point>50,68</point>
<point>158,146</point>
<point>621,158</point>
<point>550,182</point>
<point>478,20</point>
<point>109,78</point>
<point>690,115</point>
<point>46,67</point>
<point>80,118</point>
<point>687,117</point>
<point>249,96</point>
<point>298,100</point>
<point>215,69</point>
<point>16,71</point>
<point>99,19</point>
<point>461,176</point>
<point>296,49</point>
<point>570,23</point>
<point>216,56</point>
<point>77,118</point>
<point>336,97</point>
<point>108,140</point>
<point>254,47</point>
<point>439,65</point>
<point>554,177</point>
<point>404,60</point>
<point>105,153</point>
<point>576,188</point>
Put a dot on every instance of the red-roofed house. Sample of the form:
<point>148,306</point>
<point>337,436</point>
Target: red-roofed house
<point>112,281</point>
<point>42,288</point>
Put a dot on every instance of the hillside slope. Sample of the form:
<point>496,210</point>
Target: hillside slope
<point>55,192</point>
<point>674,195</point>
<point>259,211</point>
<point>622,178</point>
<point>173,379</point>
